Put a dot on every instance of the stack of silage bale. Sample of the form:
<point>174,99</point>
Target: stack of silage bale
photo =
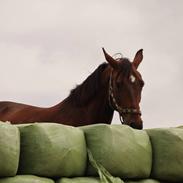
<point>46,150</point>
<point>49,152</point>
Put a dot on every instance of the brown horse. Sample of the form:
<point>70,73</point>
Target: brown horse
<point>115,85</point>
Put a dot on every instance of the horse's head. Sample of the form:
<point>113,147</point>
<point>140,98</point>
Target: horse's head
<point>125,87</point>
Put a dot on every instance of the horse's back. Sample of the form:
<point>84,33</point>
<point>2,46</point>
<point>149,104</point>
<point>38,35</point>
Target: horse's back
<point>6,106</point>
<point>11,110</point>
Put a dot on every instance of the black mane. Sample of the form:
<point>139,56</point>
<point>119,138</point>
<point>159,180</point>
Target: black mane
<point>84,92</point>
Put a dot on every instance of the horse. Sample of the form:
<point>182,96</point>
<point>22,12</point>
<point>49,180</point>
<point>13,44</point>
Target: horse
<point>114,85</point>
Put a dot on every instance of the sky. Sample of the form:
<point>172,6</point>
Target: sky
<point>48,47</point>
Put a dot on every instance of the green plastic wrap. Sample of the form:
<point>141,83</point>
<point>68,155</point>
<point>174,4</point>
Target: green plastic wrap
<point>52,150</point>
<point>26,179</point>
<point>97,180</point>
<point>104,175</point>
<point>123,151</point>
<point>79,180</point>
<point>9,149</point>
<point>167,145</point>
<point>144,181</point>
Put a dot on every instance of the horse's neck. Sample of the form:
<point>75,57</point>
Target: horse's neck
<point>96,111</point>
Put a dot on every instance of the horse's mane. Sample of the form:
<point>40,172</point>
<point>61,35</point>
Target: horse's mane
<point>84,92</point>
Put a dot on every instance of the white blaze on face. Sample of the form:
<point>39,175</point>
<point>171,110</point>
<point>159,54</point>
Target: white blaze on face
<point>132,78</point>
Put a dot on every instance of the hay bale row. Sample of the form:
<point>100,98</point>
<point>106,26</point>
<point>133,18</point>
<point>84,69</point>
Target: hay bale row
<point>36,179</point>
<point>53,150</point>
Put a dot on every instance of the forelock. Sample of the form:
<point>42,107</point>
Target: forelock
<point>125,66</point>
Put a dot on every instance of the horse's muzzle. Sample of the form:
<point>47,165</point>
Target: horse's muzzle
<point>137,125</point>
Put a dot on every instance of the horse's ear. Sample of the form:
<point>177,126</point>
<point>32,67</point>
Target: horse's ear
<point>113,63</point>
<point>138,58</point>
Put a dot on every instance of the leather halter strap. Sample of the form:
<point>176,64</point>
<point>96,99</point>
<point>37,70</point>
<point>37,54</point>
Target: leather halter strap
<point>117,107</point>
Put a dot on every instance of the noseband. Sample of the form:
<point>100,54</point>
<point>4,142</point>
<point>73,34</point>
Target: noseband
<point>115,105</point>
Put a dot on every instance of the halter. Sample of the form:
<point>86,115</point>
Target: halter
<point>118,108</point>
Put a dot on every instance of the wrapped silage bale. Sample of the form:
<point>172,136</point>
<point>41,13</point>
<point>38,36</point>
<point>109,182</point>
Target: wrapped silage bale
<point>167,145</point>
<point>26,179</point>
<point>84,180</point>
<point>9,149</point>
<point>52,150</point>
<point>121,150</point>
<point>143,181</point>
<point>79,180</point>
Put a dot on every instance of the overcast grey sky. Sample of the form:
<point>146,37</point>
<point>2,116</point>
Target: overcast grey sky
<point>49,46</point>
